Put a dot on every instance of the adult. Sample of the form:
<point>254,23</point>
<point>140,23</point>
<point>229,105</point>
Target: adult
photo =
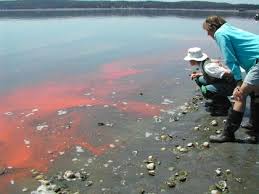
<point>239,49</point>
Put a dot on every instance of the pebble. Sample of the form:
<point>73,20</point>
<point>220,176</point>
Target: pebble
<point>215,192</point>
<point>163,137</point>
<point>112,146</point>
<point>151,172</point>
<point>228,171</point>
<point>24,189</point>
<point>184,150</point>
<point>150,158</point>
<point>39,177</point>
<point>218,171</point>
<point>151,166</point>
<point>68,175</point>
<point>89,183</point>
<point>2,171</point>
<point>196,128</point>
<point>163,149</point>
<point>135,153</point>
<point>214,123</point>
<point>190,145</point>
<point>206,144</point>
<point>171,183</point>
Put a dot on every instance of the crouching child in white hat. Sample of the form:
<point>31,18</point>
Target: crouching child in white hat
<point>215,81</point>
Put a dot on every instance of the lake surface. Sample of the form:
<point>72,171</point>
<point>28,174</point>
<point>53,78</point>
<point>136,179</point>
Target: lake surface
<point>63,77</point>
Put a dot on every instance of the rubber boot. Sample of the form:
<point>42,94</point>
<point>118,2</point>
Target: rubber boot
<point>220,107</point>
<point>250,124</point>
<point>233,122</point>
<point>253,134</point>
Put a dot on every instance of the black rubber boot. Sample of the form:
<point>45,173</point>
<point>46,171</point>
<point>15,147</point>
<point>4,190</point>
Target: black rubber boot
<point>232,124</point>
<point>250,124</point>
<point>219,106</point>
<point>253,134</point>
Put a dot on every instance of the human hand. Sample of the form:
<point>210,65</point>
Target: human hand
<point>227,74</point>
<point>195,75</point>
<point>237,94</point>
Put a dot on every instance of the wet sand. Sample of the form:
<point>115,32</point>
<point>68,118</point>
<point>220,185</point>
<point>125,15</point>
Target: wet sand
<point>122,168</point>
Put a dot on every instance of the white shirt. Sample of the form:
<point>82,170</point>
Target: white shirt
<point>215,70</point>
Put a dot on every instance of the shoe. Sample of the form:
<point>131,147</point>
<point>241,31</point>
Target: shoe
<point>222,138</point>
<point>248,125</point>
<point>251,139</point>
<point>233,122</point>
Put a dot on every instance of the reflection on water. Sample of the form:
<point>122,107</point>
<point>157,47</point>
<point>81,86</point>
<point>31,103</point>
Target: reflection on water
<point>60,77</point>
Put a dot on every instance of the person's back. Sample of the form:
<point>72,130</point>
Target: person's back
<point>244,45</point>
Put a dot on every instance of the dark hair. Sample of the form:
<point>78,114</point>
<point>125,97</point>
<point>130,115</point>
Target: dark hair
<point>212,23</point>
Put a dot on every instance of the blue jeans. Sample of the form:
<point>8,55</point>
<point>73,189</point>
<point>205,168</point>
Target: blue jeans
<point>222,87</point>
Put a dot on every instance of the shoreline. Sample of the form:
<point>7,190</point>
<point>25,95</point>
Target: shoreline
<point>101,9</point>
<point>122,12</point>
<point>174,146</point>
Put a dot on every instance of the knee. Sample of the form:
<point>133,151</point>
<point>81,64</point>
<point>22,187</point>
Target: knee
<point>206,93</point>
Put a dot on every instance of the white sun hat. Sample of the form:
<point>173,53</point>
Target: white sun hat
<point>195,54</point>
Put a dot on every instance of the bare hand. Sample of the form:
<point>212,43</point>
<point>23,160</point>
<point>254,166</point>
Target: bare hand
<point>237,94</point>
<point>227,74</point>
<point>195,75</point>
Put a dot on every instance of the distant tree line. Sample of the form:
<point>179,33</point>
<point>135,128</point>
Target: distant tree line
<point>55,4</point>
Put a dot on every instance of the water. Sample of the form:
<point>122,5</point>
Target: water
<point>61,76</point>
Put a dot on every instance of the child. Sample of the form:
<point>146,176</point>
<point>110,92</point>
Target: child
<point>215,81</point>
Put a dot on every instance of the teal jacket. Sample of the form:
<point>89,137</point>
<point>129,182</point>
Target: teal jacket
<point>238,47</point>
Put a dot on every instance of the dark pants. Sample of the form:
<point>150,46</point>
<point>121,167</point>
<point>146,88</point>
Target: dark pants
<point>218,88</point>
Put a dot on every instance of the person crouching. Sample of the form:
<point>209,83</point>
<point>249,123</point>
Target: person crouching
<point>215,81</point>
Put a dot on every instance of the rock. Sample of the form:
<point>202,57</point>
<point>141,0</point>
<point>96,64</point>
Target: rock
<point>196,128</point>
<point>68,175</point>
<point>24,189</point>
<point>215,192</point>
<point>163,149</point>
<point>214,123</point>
<point>184,150</point>
<point>89,183</point>
<point>190,145</point>
<point>151,166</point>
<point>151,172</point>
<point>43,189</point>
<point>39,177</point>
<point>222,185</point>
<point>171,183</point>
<point>100,124</point>
<point>2,171</point>
<point>163,137</point>
<point>151,158</point>
<point>206,144</point>
<point>218,171</point>
<point>228,171</point>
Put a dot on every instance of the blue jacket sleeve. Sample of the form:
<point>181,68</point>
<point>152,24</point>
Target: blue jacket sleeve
<point>229,55</point>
